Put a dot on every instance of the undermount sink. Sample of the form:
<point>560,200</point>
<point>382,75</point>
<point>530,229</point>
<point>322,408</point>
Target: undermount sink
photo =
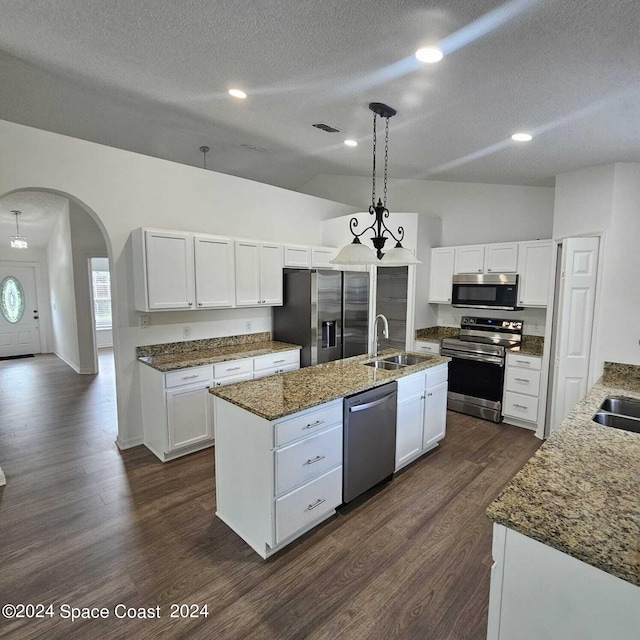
<point>383,364</point>
<point>622,406</point>
<point>619,413</point>
<point>406,359</point>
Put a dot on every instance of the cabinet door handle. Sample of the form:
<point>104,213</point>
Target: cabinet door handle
<point>489,269</point>
<point>279,361</point>
<point>317,503</point>
<point>195,375</point>
<point>422,397</point>
<point>218,384</point>
<point>191,304</point>
<point>429,394</point>
<point>314,424</point>
<point>520,406</point>
<point>314,460</point>
<point>199,304</point>
<point>522,380</point>
<point>233,369</point>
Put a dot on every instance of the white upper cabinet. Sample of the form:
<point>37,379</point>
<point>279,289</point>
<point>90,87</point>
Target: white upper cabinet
<point>258,273</point>
<point>441,275</point>
<point>321,257</point>
<point>270,273</point>
<point>470,259</point>
<point>297,256</point>
<point>214,272</point>
<point>534,267</point>
<point>501,258</point>
<point>163,270</point>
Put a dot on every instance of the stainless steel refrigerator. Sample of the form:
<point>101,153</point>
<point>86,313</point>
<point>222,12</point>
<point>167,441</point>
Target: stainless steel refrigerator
<point>327,312</point>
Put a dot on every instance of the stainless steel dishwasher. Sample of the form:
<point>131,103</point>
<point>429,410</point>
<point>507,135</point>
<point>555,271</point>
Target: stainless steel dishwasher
<point>369,439</point>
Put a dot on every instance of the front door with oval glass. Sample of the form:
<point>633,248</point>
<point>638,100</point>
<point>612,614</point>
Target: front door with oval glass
<point>19,323</point>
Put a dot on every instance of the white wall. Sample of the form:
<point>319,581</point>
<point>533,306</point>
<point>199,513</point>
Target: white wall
<point>38,258</point>
<point>605,201</point>
<point>125,190</point>
<point>62,293</point>
<point>471,213</point>
<point>583,201</point>
<point>86,241</point>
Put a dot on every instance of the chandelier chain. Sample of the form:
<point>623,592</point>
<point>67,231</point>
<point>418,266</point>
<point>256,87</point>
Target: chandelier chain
<point>386,159</point>
<point>373,192</point>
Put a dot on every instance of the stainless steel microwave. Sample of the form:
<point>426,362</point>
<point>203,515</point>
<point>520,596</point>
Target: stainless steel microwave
<point>490,291</point>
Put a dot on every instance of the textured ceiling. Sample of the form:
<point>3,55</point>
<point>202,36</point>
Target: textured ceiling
<point>39,214</point>
<point>152,77</point>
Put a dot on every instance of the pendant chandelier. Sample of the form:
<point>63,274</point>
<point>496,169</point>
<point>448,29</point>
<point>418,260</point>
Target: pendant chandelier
<point>358,253</point>
<point>18,241</point>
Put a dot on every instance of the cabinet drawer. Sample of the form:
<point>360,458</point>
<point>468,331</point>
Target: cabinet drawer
<point>427,347</point>
<point>437,376</point>
<point>188,376</point>
<point>411,385</point>
<point>528,362</point>
<point>306,459</point>
<point>518,406</point>
<point>522,380</point>
<point>232,368</point>
<point>263,373</point>
<point>241,377</point>
<point>308,423</point>
<point>276,360</point>
<point>312,501</point>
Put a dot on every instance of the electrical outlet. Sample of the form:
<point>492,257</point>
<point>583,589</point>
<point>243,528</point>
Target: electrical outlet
<point>186,331</point>
<point>248,325</point>
<point>145,321</point>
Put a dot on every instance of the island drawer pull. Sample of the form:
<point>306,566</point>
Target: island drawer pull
<point>317,503</point>
<point>233,368</point>
<point>313,424</point>
<point>520,406</point>
<point>522,380</point>
<point>314,460</point>
<point>195,375</point>
<point>524,362</point>
<point>279,361</point>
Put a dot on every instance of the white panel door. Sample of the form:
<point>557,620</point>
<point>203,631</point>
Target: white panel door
<point>169,270</point>
<point>188,416</point>
<point>441,276</point>
<point>270,273</point>
<point>19,324</point>
<point>435,414</point>
<point>215,272</point>
<point>247,274</point>
<point>409,424</point>
<point>576,308</point>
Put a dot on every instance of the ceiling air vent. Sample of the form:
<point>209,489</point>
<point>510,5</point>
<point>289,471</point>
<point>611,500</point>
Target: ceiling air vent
<point>326,128</point>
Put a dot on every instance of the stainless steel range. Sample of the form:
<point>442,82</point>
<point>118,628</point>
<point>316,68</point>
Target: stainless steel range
<point>476,371</point>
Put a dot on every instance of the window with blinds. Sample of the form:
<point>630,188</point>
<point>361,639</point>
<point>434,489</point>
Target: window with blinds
<point>102,299</point>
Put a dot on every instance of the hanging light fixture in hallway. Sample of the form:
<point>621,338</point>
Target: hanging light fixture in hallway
<point>18,241</point>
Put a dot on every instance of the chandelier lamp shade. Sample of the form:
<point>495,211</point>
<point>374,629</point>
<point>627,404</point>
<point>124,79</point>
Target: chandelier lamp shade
<point>18,241</point>
<point>358,253</point>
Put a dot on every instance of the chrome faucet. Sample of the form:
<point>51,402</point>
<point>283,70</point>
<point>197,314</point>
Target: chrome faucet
<point>385,332</point>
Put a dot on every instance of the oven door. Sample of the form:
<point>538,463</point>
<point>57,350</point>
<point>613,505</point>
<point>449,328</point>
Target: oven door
<point>475,388</point>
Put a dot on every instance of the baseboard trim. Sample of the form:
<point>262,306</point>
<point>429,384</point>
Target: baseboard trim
<point>67,362</point>
<point>128,443</point>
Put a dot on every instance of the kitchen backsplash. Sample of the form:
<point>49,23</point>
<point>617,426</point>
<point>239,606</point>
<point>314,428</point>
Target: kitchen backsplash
<point>194,345</point>
<point>534,319</point>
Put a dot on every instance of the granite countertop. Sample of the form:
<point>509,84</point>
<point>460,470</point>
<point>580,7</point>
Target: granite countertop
<point>284,394</point>
<point>580,492</point>
<point>531,345</point>
<point>172,361</point>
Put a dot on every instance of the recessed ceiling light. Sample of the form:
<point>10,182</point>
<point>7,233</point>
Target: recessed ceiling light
<point>351,143</point>
<point>521,137</point>
<point>237,93</point>
<point>429,54</point>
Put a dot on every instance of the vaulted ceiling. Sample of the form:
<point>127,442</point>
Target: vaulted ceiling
<point>152,77</point>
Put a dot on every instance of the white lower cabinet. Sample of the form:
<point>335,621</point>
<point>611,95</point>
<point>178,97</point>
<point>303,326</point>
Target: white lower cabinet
<point>276,480</point>
<point>538,592</point>
<point>521,390</point>
<point>422,413</point>
<point>427,346</point>
<point>176,406</point>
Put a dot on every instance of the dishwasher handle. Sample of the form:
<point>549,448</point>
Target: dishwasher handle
<point>368,405</point>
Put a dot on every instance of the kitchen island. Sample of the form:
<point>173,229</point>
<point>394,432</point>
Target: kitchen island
<point>567,530</point>
<point>279,442</point>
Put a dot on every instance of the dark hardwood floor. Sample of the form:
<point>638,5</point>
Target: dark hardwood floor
<point>86,525</point>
